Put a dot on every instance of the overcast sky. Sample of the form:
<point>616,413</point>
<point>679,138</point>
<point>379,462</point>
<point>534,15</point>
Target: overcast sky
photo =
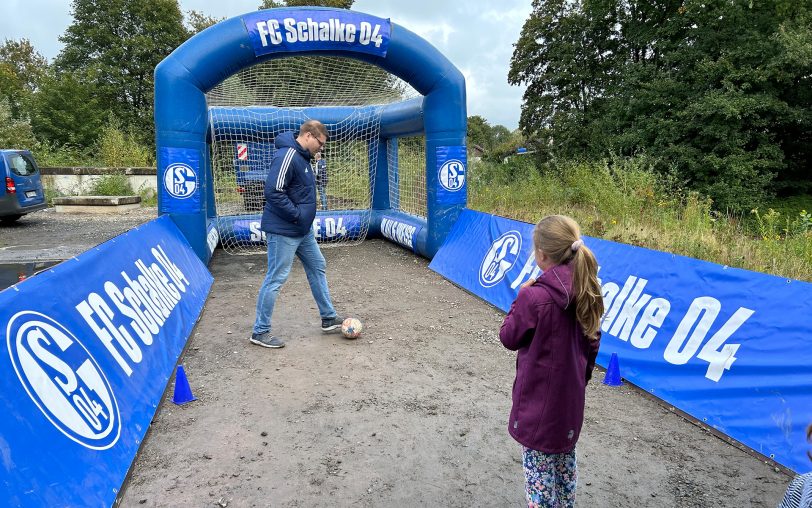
<point>476,35</point>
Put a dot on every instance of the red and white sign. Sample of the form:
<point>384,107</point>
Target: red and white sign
<point>242,151</point>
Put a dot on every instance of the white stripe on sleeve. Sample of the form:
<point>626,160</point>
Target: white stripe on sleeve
<point>280,180</point>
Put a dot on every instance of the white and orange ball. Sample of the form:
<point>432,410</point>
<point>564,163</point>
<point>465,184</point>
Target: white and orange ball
<point>351,328</point>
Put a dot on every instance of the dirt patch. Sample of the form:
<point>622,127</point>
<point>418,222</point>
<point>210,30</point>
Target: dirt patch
<point>413,413</point>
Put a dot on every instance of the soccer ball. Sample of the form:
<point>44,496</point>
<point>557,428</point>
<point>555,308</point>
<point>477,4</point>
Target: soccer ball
<point>351,328</point>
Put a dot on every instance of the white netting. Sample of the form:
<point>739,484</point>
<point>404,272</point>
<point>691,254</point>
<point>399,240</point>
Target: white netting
<point>249,109</point>
<point>407,175</point>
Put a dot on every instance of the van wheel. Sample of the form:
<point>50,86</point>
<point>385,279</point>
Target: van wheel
<point>9,219</point>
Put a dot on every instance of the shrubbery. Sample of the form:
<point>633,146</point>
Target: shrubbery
<point>116,148</point>
<point>14,133</point>
<point>119,148</point>
<point>111,185</point>
<point>626,200</point>
<point>718,92</point>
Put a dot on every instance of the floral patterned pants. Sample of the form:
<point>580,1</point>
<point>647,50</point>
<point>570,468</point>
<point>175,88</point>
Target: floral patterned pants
<point>550,478</point>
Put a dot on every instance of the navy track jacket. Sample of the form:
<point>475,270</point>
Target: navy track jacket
<point>290,190</point>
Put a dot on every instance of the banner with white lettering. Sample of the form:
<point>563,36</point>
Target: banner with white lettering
<point>402,229</point>
<point>728,346</point>
<point>327,227</point>
<point>90,346</point>
<point>298,30</point>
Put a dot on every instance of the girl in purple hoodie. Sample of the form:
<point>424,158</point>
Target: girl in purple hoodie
<point>554,324</point>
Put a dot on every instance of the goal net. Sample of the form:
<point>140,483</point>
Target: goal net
<point>249,109</point>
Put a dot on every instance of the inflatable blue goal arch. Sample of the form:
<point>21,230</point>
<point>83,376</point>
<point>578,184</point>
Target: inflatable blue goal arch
<point>190,128</point>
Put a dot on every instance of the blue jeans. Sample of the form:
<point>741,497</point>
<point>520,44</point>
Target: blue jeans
<point>280,259</point>
<point>323,196</point>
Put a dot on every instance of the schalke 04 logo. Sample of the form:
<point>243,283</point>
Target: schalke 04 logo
<point>180,180</point>
<point>500,258</point>
<point>64,380</point>
<point>452,175</point>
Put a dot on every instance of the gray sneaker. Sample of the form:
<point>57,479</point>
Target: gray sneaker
<point>330,324</point>
<point>266,340</point>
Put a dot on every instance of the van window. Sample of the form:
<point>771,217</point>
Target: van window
<point>22,165</point>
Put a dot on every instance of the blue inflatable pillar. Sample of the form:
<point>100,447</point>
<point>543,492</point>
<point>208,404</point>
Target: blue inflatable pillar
<point>379,176</point>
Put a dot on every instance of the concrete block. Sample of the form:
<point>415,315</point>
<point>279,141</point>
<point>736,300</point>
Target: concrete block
<point>96,204</point>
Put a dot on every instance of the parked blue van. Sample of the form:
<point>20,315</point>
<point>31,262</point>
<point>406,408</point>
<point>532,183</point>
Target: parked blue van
<point>21,189</point>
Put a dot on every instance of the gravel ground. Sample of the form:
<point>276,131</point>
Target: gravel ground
<point>50,236</point>
<point>411,414</point>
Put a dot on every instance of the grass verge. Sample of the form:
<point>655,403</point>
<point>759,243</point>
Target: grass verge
<point>624,200</point>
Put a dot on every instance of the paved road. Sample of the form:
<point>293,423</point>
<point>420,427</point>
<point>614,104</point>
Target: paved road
<point>51,236</point>
<point>44,238</point>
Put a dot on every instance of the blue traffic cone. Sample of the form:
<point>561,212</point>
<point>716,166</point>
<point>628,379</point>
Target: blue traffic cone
<point>612,377</point>
<point>183,392</point>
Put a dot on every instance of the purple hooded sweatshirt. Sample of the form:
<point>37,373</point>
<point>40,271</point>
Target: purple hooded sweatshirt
<point>554,362</point>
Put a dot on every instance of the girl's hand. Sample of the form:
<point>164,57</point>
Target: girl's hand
<point>528,283</point>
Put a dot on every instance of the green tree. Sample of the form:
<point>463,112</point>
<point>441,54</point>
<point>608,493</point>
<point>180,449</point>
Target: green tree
<point>116,46</point>
<point>479,132</point>
<point>708,105</point>
<point>792,64</point>
<point>717,91</point>
<point>197,21</point>
<point>508,145</point>
<point>500,134</point>
<point>565,54</point>
<point>22,70</point>
<point>66,111</point>
<point>14,132</point>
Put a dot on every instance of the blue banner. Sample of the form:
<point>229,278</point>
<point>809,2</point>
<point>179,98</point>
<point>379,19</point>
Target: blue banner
<point>298,30</point>
<point>179,180</point>
<point>91,345</point>
<point>451,175</point>
<point>327,227</point>
<point>728,346</point>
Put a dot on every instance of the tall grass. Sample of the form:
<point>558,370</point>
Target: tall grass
<point>119,147</point>
<point>624,200</point>
<point>411,186</point>
<point>348,171</point>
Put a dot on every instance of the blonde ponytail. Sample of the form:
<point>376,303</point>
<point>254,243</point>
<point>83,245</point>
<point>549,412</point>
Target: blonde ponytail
<point>560,237</point>
<point>588,297</point>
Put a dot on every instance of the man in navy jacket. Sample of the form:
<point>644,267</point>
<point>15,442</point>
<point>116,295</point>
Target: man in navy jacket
<point>287,220</point>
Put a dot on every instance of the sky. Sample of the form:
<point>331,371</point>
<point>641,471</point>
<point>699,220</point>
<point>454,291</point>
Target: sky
<point>475,35</point>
